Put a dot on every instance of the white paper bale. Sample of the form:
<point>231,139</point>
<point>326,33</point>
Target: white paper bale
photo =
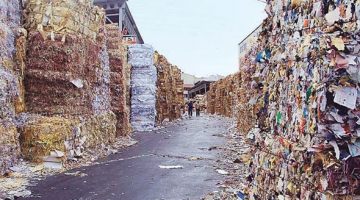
<point>143,87</point>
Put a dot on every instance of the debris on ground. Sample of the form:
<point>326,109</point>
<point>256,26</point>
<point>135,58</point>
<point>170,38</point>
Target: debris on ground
<point>171,167</point>
<point>194,158</point>
<point>25,174</point>
<point>77,173</point>
<point>223,172</point>
<point>232,166</point>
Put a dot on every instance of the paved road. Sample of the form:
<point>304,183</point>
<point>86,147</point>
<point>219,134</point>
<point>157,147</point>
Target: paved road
<point>134,174</point>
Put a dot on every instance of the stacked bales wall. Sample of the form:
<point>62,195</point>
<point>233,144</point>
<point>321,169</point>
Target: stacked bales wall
<point>298,102</point>
<point>210,99</point>
<point>9,84</point>
<point>223,96</point>
<point>177,92</point>
<point>67,79</point>
<point>170,90</point>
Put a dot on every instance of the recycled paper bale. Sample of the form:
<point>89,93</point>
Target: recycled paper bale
<point>6,44</point>
<point>99,130</point>
<point>119,79</point>
<point>59,16</point>
<point>143,85</point>
<point>9,86</point>
<point>9,90</point>
<point>40,135</point>
<point>222,97</point>
<point>19,67</point>
<point>169,90</point>
<point>67,57</point>
<point>101,100</point>
<point>61,77</point>
<point>10,149</point>
<point>9,18</point>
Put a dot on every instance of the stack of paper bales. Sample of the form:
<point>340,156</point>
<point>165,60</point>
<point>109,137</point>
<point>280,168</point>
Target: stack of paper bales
<point>143,87</point>
<point>170,90</point>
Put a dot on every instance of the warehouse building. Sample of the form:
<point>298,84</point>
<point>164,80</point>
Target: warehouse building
<point>118,11</point>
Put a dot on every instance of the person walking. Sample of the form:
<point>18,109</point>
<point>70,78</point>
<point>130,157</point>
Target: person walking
<point>190,108</point>
<point>197,108</point>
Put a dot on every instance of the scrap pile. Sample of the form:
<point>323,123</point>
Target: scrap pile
<point>304,79</point>
<point>143,86</point>
<point>67,79</point>
<point>120,78</point>
<point>170,90</point>
<point>9,85</point>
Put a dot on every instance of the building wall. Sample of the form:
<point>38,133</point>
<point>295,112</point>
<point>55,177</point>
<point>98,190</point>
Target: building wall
<point>246,44</point>
<point>188,79</point>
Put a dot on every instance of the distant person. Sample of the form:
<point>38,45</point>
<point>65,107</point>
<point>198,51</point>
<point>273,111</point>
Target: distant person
<point>190,108</point>
<point>197,108</point>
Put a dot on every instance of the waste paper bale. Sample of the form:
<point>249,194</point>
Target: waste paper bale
<point>119,83</point>
<point>141,59</point>
<point>9,143</point>
<point>19,67</point>
<point>69,16</point>
<point>101,100</point>
<point>10,90</point>
<point>169,97</point>
<point>9,147</point>
<point>61,77</point>
<point>100,130</point>
<point>9,18</point>
<point>40,135</point>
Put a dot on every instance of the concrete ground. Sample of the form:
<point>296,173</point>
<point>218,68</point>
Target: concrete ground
<point>134,173</point>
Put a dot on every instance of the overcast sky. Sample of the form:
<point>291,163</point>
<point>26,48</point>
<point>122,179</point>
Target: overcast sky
<point>199,36</point>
